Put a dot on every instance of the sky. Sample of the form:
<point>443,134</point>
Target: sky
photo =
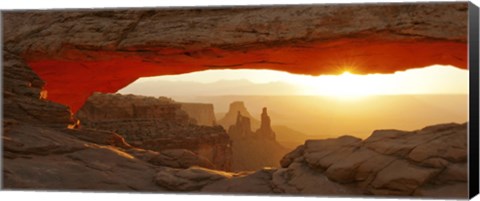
<point>429,80</point>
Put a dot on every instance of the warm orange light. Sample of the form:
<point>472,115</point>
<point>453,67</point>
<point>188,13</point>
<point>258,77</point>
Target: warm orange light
<point>345,86</point>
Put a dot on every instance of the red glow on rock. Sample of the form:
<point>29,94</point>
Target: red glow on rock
<point>72,75</point>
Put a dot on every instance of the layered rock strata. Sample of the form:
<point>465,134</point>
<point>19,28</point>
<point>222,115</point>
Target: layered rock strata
<point>202,113</point>
<point>156,124</point>
<point>24,97</point>
<point>44,148</point>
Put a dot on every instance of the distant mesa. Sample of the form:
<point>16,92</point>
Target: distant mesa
<point>285,135</point>
<point>242,128</point>
<point>202,113</point>
<point>231,117</point>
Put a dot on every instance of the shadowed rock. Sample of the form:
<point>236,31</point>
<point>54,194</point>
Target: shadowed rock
<point>390,162</point>
<point>156,124</point>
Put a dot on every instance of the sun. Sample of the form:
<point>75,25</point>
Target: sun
<point>346,73</point>
<point>345,86</point>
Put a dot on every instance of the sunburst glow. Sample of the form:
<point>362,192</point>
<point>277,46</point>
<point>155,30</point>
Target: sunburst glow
<point>346,86</point>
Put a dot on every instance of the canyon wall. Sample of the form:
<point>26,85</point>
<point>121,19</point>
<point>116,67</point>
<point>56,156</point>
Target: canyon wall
<point>40,152</point>
<point>155,124</point>
<point>203,113</point>
<point>24,97</point>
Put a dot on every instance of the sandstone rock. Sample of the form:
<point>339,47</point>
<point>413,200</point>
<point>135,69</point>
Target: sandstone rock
<point>118,45</point>
<point>25,97</point>
<point>254,154</point>
<point>98,137</point>
<point>265,131</point>
<point>323,153</point>
<point>241,129</point>
<point>252,151</point>
<point>258,182</point>
<point>450,144</point>
<point>201,112</point>
<point>448,191</point>
<point>381,135</point>
<point>397,146</point>
<point>345,169</point>
<point>117,107</point>
<point>401,178</point>
<point>358,169</point>
<point>43,158</point>
<point>312,146</point>
<point>453,173</point>
<point>300,179</point>
<point>231,117</point>
<point>290,157</point>
<point>26,139</point>
<point>180,158</point>
<point>367,171</point>
<point>192,179</point>
<point>156,124</point>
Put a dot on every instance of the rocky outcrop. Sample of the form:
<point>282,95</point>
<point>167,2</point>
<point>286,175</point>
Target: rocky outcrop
<point>24,97</point>
<point>101,109</point>
<point>286,136</point>
<point>192,179</point>
<point>241,129</point>
<point>231,117</point>
<point>45,158</point>
<point>265,131</point>
<point>156,124</point>
<point>351,166</point>
<point>202,113</point>
<point>105,50</point>
<point>391,162</point>
<point>253,150</point>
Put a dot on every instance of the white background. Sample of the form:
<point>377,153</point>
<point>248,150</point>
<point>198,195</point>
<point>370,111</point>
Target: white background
<point>45,4</point>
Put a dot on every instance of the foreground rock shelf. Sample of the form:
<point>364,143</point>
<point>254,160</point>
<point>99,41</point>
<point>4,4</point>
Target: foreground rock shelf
<point>430,162</point>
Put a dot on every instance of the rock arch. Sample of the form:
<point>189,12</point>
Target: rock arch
<point>79,52</point>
